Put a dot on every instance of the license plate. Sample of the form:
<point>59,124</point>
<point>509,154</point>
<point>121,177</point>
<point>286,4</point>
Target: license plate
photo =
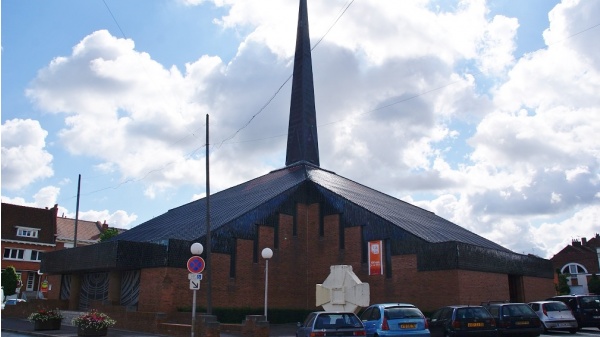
<point>474,325</point>
<point>408,326</point>
<point>522,323</point>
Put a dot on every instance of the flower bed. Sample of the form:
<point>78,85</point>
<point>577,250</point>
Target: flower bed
<point>46,319</point>
<point>93,323</point>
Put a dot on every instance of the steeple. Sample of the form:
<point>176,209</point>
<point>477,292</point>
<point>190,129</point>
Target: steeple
<point>303,142</point>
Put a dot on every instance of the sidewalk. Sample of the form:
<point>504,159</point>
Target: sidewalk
<point>23,326</point>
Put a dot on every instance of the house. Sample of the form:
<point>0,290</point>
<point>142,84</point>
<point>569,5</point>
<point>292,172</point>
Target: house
<point>88,232</point>
<point>579,260</point>
<point>27,232</point>
<point>312,218</point>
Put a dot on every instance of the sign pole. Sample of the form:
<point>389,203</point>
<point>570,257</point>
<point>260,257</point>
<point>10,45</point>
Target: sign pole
<point>194,313</point>
<point>195,266</point>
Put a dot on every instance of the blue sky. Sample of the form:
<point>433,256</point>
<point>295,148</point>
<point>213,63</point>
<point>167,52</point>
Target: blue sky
<point>485,113</point>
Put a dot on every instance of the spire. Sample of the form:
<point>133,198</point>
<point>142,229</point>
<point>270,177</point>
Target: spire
<point>303,143</point>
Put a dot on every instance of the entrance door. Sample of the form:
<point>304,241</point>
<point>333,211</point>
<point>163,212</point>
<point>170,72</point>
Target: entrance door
<point>515,288</point>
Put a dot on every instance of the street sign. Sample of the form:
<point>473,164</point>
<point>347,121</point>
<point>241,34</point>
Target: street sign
<point>194,285</point>
<point>195,277</point>
<point>195,264</point>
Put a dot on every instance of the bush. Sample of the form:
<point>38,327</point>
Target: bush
<point>10,280</point>
<point>594,284</point>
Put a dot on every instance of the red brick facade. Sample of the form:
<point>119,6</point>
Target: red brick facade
<point>302,261</point>
<point>39,220</point>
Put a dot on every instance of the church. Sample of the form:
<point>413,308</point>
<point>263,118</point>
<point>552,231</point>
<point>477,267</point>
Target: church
<point>312,219</point>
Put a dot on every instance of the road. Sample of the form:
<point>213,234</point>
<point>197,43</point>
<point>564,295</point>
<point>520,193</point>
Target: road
<point>583,332</point>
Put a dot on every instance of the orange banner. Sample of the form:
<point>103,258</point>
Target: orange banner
<point>375,259</point>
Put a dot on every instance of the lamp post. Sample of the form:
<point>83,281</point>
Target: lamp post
<point>196,249</point>
<point>267,253</point>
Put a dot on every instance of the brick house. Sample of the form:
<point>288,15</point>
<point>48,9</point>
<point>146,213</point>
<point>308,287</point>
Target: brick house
<point>27,232</point>
<point>580,260</point>
<point>312,218</point>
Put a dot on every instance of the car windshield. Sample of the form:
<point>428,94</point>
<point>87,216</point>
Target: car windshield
<point>556,306</point>
<point>402,312</point>
<point>472,312</point>
<point>337,321</point>
<point>518,310</point>
<point>590,302</point>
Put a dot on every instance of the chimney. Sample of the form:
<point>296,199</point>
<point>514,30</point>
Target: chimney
<point>583,241</point>
<point>104,226</point>
<point>576,243</point>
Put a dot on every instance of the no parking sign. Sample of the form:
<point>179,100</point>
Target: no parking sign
<point>195,264</point>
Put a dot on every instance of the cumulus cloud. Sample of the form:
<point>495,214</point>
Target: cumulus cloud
<point>425,103</point>
<point>25,158</point>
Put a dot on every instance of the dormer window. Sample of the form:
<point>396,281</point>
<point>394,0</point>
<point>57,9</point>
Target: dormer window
<point>27,232</point>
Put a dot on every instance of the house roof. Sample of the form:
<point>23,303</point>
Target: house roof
<point>257,199</point>
<point>14,216</point>
<point>87,231</point>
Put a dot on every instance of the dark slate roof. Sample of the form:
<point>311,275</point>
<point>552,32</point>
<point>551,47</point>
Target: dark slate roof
<point>235,211</point>
<point>302,142</point>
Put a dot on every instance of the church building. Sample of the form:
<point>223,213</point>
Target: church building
<point>312,219</point>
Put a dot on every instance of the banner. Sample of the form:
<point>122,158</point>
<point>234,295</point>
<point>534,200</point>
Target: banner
<point>375,258</point>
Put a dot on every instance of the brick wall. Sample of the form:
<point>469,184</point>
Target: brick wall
<point>537,289</point>
<point>304,260</point>
<point>588,259</point>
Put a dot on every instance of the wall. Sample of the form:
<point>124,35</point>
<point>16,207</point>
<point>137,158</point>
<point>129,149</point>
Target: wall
<point>537,289</point>
<point>302,261</point>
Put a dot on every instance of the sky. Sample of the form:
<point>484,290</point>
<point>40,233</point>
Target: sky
<point>486,113</point>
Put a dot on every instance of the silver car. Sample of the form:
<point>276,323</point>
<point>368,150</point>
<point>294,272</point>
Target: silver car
<point>555,315</point>
<point>331,324</point>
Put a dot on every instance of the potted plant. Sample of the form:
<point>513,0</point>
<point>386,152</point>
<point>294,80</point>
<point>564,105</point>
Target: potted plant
<point>46,319</point>
<point>93,323</point>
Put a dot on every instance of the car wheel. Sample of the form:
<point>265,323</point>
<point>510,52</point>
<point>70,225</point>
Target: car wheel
<point>572,331</point>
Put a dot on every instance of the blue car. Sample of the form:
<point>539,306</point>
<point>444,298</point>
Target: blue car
<point>394,319</point>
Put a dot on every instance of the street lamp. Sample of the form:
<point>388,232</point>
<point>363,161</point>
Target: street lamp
<point>196,249</point>
<point>267,253</point>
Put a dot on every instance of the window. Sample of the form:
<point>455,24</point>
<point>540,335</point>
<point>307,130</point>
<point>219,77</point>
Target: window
<point>27,232</point>
<point>36,255</point>
<point>13,253</point>
<point>573,269</point>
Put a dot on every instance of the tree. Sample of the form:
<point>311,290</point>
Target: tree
<point>594,284</point>
<point>10,280</point>
<point>108,233</point>
<point>563,286</point>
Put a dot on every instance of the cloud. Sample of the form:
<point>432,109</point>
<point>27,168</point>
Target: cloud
<point>25,158</point>
<point>425,103</point>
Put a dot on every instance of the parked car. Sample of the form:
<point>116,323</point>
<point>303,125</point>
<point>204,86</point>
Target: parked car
<point>462,321</point>
<point>394,319</point>
<point>14,301</point>
<point>327,323</point>
<point>555,315</point>
<point>585,308</point>
<point>514,319</point>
